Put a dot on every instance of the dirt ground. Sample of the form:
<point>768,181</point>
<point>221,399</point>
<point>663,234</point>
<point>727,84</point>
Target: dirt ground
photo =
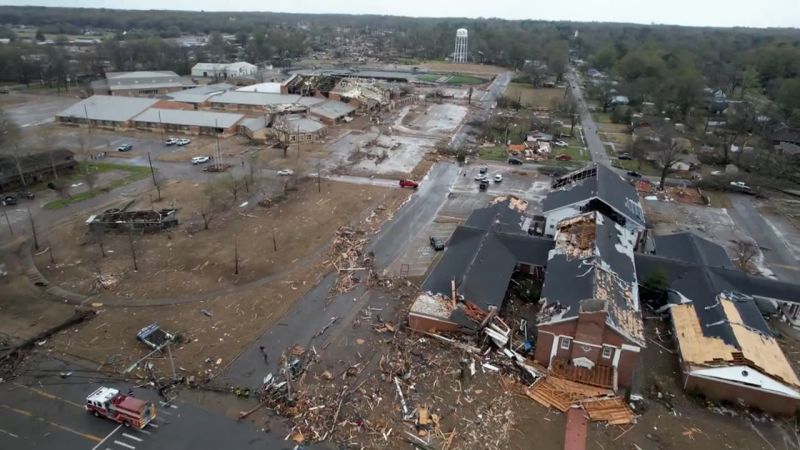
<point>189,260</point>
<point>538,98</point>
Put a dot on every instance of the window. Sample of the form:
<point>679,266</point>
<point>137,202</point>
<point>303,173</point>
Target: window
<point>564,342</point>
<point>607,352</point>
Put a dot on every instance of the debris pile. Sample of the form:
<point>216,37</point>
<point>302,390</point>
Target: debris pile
<point>348,259</point>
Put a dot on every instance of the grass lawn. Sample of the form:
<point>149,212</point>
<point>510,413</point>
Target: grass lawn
<point>464,79</point>
<point>493,153</point>
<point>531,97</point>
<point>619,139</point>
<point>643,167</point>
<point>429,77</point>
<point>575,152</point>
<point>134,173</point>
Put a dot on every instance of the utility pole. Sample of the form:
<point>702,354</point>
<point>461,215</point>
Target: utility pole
<point>33,230</point>
<point>161,126</point>
<point>218,158</point>
<point>153,174</point>
<point>50,250</point>
<point>236,255</point>
<point>319,177</point>
<point>8,222</point>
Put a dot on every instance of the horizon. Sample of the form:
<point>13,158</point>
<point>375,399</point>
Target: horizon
<point>678,13</point>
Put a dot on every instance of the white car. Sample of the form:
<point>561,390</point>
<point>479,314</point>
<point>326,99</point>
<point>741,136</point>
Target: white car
<point>182,141</point>
<point>560,143</point>
<point>171,141</point>
<point>498,178</point>
<point>480,177</point>
<point>285,172</point>
<point>200,160</point>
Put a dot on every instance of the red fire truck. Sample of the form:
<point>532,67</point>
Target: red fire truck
<point>125,409</point>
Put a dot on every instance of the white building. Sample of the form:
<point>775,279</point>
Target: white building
<point>222,70</point>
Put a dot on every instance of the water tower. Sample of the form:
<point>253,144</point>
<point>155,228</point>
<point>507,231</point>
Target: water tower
<point>460,55</point>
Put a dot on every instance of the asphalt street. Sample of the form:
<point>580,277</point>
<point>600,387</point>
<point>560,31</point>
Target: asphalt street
<point>42,410</point>
<point>777,255</point>
<point>486,103</point>
<point>596,148</point>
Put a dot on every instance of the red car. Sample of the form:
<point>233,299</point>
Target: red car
<point>409,184</point>
<point>563,158</point>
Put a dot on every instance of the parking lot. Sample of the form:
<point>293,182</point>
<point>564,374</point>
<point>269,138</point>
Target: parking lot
<point>419,253</point>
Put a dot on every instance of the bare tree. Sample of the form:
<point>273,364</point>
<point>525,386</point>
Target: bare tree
<point>745,253</point>
<point>47,139</point>
<point>213,204</point>
<point>85,149</point>
<point>233,184</point>
<point>667,151</point>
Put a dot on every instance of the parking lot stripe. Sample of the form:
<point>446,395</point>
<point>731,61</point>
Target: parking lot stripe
<point>125,445</point>
<point>106,438</point>
<point>8,433</point>
<point>151,424</point>
<point>132,437</point>
<point>144,431</point>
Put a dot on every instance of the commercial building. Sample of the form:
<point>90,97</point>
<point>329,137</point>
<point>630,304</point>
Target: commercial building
<point>189,122</point>
<point>297,128</point>
<point>105,111</point>
<point>140,84</point>
<point>224,70</point>
<point>258,102</point>
<point>332,112</point>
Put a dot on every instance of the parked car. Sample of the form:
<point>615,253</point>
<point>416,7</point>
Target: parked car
<point>515,161</point>
<point>498,178</point>
<point>409,184</point>
<point>200,160</point>
<point>484,185</point>
<point>634,174</point>
<point>9,200</point>
<point>171,141</point>
<point>480,177</point>
<point>27,195</point>
<point>483,170</point>
<point>285,172</point>
<point>125,148</point>
<point>563,158</point>
<point>182,141</point>
<point>560,143</point>
<point>624,156</point>
<point>437,243</point>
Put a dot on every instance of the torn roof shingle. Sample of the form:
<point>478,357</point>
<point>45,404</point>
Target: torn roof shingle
<point>599,182</point>
<point>592,267</point>
<point>483,253</point>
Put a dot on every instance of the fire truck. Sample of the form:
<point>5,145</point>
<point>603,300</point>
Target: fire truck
<point>125,409</point>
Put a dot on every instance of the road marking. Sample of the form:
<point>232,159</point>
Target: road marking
<point>144,431</point>
<point>88,436</point>
<point>173,406</point>
<point>107,436</point>
<point>132,437</point>
<point>50,396</point>
<point>8,433</point>
<point>151,424</point>
<point>125,445</point>
<point>165,412</point>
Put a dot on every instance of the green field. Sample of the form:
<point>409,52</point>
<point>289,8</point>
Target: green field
<point>493,153</point>
<point>134,173</point>
<point>575,152</point>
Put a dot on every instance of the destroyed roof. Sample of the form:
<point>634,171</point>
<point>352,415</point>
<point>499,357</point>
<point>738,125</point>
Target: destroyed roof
<point>690,247</point>
<point>108,108</point>
<point>591,269</point>
<point>482,254</point>
<point>201,93</point>
<point>255,98</point>
<point>207,119</point>
<point>332,109</point>
<point>596,181</point>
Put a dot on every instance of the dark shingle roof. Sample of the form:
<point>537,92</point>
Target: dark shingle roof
<point>482,254</point>
<point>691,248</point>
<point>605,185</point>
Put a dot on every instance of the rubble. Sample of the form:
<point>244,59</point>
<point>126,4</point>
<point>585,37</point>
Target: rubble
<point>348,259</point>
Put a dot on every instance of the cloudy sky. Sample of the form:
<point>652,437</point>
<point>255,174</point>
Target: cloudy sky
<point>762,13</point>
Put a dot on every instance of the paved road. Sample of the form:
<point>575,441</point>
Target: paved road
<point>596,148</point>
<point>415,215</point>
<point>777,255</point>
<point>487,101</point>
<point>40,410</point>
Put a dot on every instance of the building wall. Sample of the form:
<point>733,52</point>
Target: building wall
<point>186,129</point>
<point>104,124</point>
<point>763,400</point>
<point>426,323</point>
<point>557,215</point>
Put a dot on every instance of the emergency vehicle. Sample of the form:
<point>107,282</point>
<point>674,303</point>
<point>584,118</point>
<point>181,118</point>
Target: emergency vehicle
<point>125,409</point>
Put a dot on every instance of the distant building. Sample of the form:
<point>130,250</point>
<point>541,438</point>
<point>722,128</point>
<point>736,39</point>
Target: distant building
<point>200,94</point>
<point>140,84</point>
<point>224,71</point>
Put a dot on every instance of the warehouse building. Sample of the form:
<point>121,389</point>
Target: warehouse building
<point>189,122</point>
<point>140,84</point>
<point>224,71</point>
<point>105,111</point>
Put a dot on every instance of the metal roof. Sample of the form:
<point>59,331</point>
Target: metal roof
<point>109,108</point>
<point>332,109</point>
<point>145,80</point>
<point>267,88</point>
<point>201,93</point>
<point>209,119</point>
<point>255,98</point>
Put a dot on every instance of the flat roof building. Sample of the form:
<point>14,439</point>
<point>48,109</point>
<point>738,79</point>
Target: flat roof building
<point>331,111</point>
<point>141,83</point>
<point>105,111</point>
<point>189,122</point>
<point>200,94</point>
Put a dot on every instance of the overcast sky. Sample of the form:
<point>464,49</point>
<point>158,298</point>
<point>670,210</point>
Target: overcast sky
<point>759,13</point>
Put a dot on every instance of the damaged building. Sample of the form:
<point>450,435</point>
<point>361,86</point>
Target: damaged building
<point>133,221</point>
<point>726,349</point>
<point>590,325</point>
